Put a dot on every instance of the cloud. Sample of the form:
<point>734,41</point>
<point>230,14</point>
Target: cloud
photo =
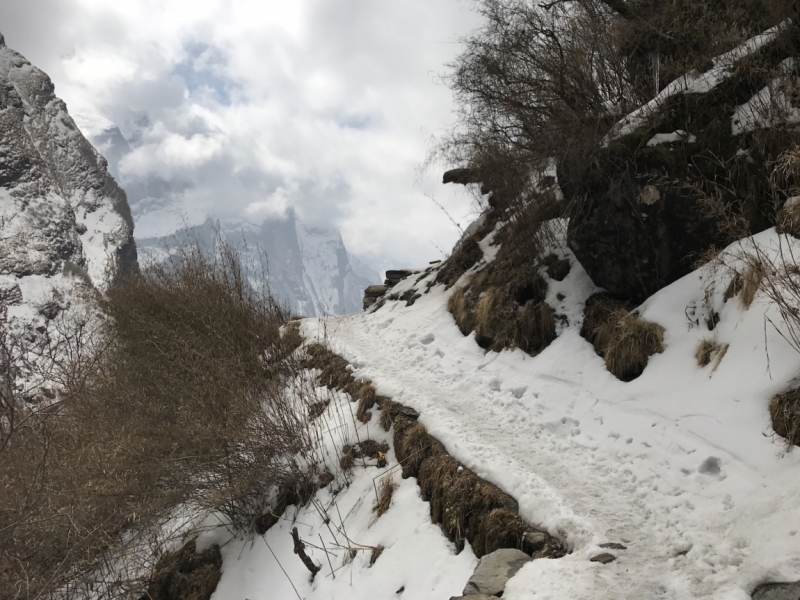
<point>252,107</point>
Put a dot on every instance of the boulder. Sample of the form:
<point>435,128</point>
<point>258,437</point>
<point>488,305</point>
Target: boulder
<point>603,558</point>
<point>395,276</point>
<point>777,591</point>
<point>494,570</point>
<point>372,293</point>
<point>661,190</point>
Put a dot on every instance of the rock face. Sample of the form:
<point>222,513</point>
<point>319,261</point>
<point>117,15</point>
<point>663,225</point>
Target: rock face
<point>308,268</point>
<point>59,208</point>
<point>494,570</point>
<point>655,197</point>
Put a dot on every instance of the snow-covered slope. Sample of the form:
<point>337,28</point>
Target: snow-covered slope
<point>681,465</point>
<point>308,268</point>
<point>63,219</point>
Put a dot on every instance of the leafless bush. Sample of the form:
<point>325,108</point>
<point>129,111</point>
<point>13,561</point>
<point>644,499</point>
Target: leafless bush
<point>184,393</point>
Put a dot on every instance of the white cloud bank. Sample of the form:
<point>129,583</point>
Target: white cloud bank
<point>255,106</point>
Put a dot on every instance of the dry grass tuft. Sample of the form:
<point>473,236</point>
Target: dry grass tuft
<point>459,307</point>
<point>366,396</point>
<point>706,349</point>
<point>376,554</point>
<point>412,444</point>
<point>389,410</point>
<point>347,459</point>
<point>751,280</point>
<point>784,409</point>
<point>385,493</point>
<point>626,342</point>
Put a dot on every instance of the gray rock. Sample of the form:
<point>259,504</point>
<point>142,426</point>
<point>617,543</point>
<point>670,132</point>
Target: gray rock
<point>613,546</point>
<point>603,558</point>
<point>494,570</point>
<point>534,540</point>
<point>473,597</point>
<point>778,591</point>
<point>376,290</point>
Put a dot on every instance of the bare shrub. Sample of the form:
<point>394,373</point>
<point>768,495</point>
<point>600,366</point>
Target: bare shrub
<point>626,342</point>
<point>187,393</point>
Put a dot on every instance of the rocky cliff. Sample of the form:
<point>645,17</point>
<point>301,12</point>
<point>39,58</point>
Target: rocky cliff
<point>63,218</point>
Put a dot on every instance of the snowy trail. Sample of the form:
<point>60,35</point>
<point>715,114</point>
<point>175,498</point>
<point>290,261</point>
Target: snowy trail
<point>674,465</point>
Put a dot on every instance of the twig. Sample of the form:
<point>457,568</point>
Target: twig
<point>326,555</point>
<point>300,550</point>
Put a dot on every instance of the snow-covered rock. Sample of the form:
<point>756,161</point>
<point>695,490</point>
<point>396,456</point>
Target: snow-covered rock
<point>59,207</point>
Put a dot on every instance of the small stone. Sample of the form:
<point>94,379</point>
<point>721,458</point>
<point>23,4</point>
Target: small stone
<point>613,546</point>
<point>474,597</point>
<point>534,540</point>
<point>604,558</point>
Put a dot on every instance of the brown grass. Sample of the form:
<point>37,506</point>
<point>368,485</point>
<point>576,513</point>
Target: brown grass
<point>385,493</point>
<point>706,349</point>
<point>626,342</point>
<point>347,459</point>
<point>366,396</point>
<point>752,277</point>
<point>174,378</point>
<point>784,409</point>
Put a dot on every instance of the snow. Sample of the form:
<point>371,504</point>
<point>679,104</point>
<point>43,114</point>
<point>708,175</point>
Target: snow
<point>671,138</point>
<point>417,558</point>
<point>771,105</point>
<point>680,465</point>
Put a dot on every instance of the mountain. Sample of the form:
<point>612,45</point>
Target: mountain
<point>308,268</point>
<point>64,221</point>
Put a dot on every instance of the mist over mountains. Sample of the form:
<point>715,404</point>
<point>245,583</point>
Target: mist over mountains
<point>307,267</point>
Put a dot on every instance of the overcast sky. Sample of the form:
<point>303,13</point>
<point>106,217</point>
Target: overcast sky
<point>257,105</point>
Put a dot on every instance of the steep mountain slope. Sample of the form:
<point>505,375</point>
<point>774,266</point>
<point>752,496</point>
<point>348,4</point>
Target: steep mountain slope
<point>307,268</point>
<point>63,218</point>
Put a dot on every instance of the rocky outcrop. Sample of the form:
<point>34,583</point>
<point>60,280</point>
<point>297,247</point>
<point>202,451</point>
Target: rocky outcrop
<point>777,591</point>
<point>59,207</point>
<point>661,191</point>
<point>373,293</point>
